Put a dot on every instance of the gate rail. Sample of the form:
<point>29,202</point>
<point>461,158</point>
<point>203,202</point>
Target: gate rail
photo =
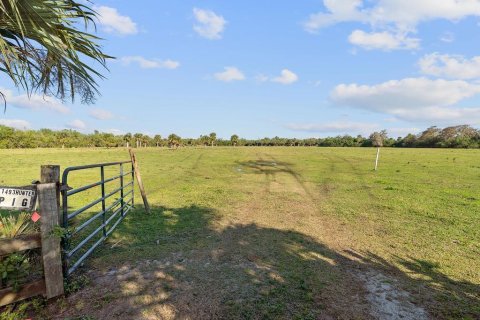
<point>121,206</point>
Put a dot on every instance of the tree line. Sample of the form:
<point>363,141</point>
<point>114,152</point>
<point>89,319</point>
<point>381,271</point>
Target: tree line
<point>462,136</point>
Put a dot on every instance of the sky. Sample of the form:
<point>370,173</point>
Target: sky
<point>304,68</point>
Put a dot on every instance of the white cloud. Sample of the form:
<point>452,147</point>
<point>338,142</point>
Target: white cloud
<point>230,74</point>
<point>209,25</point>
<point>399,16</point>
<point>16,123</point>
<point>447,37</point>
<point>450,66</point>
<point>339,11</point>
<point>402,14</point>
<point>412,99</point>
<point>340,127</point>
<point>34,102</point>
<point>262,78</point>
<point>114,22</point>
<point>77,125</point>
<point>150,63</point>
<point>441,114</point>
<point>100,114</point>
<point>286,77</point>
<point>382,40</point>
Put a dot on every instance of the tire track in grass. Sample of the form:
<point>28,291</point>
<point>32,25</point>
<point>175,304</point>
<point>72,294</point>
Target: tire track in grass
<point>382,293</point>
<point>356,172</point>
<point>197,161</point>
<point>292,207</point>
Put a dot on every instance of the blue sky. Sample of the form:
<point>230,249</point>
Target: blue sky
<point>306,68</point>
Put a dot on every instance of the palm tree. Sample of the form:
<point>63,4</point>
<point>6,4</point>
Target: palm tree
<point>126,138</point>
<point>42,49</point>
<point>204,140</point>
<point>146,140</point>
<point>173,141</point>
<point>157,139</point>
<point>213,138</point>
<point>234,140</point>
<point>138,137</point>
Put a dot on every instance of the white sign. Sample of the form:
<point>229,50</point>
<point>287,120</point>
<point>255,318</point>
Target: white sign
<point>17,198</point>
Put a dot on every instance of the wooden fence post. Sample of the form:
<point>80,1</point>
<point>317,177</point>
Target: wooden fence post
<point>139,180</point>
<point>49,205</point>
<point>51,174</point>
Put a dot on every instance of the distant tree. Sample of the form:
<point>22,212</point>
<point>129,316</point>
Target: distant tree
<point>462,136</point>
<point>138,138</point>
<point>429,137</point>
<point>146,140</point>
<point>234,140</point>
<point>174,141</point>
<point>378,139</point>
<point>6,135</point>
<point>127,138</point>
<point>204,140</point>
<point>157,139</point>
<point>213,138</point>
<point>188,142</point>
<point>409,141</point>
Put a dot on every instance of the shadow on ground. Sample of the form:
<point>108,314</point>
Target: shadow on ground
<point>271,168</point>
<point>178,264</point>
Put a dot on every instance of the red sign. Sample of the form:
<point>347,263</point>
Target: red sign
<point>36,216</point>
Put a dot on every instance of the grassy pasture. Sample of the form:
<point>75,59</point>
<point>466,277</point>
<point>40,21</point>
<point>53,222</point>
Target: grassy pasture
<point>279,232</point>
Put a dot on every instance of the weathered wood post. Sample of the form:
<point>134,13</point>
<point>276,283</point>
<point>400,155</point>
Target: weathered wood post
<point>376,160</point>
<point>49,205</point>
<point>51,174</point>
<point>139,180</point>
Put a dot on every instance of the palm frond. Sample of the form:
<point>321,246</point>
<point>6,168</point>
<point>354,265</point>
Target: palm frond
<point>14,225</point>
<point>43,50</point>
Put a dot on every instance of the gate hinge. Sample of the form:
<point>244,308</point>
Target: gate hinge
<point>65,187</point>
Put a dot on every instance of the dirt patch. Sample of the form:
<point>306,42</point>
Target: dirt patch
<point>388,301</point>
<point>247,272</point>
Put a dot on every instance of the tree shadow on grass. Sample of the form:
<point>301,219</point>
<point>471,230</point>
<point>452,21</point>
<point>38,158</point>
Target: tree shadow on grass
<point>178,263</point>
<point>444,297</point>
<point>272,168</point>
<point>458,299</point>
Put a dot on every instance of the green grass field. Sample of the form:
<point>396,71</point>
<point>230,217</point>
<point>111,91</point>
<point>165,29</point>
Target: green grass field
<point>279,232</point>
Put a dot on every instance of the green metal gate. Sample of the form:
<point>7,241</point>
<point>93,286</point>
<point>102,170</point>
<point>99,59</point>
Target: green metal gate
<point>89,225</point>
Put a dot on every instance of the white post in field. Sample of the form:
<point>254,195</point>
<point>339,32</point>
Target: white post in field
<point>376,160</point>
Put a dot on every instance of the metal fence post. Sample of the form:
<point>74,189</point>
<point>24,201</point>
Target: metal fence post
<point>122,203</point>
